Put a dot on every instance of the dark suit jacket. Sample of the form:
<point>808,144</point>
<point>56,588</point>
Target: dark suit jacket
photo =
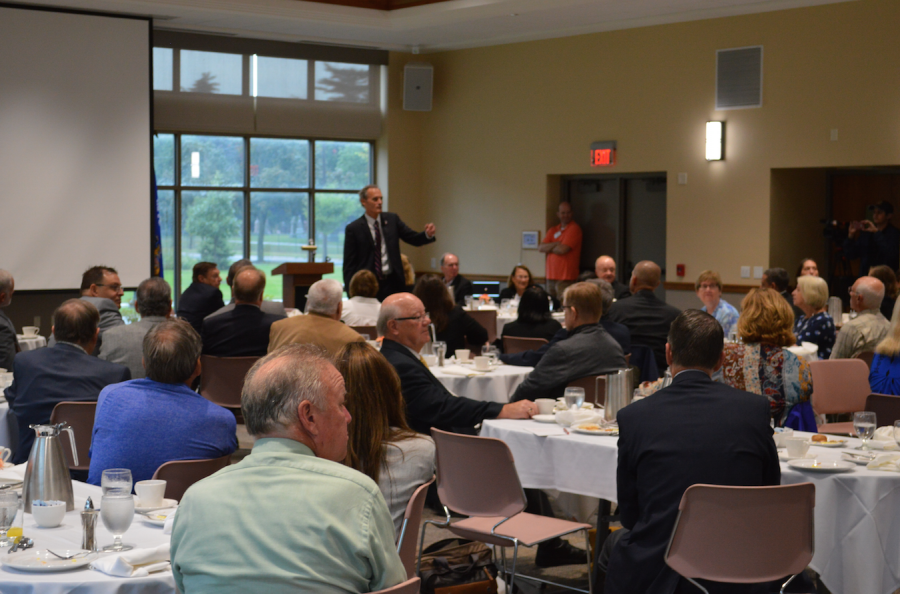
<point>507,293</point>
<point>359,247</point>
<point>240,332</point>
<point>428,403</point>
<point>462,329</point>
<point>546,329</point>
<point>531,358</point>
<point>617,331</point>
<point>9,345</point>
<point>45,377</point>
<point>694,431</point>
<point>620,291</point>
<point>461,287</point>
<point>648,319</point>
<point>198,301</point>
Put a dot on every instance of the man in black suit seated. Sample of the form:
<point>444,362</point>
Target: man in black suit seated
<point>404,325</point>
<point>458,285</point>
<point>203,297</point>
<point>272,307</point>
<point>618,331</point>
<point>64,372</point>
<point>244,330</point>
<point>694,431</point>
<point>373,242</point>
<point>648,318</point>
<point>605,268</point>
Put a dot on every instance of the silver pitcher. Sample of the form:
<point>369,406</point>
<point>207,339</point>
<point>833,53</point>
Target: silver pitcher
<point>47,474</point>
<point>619,391</point>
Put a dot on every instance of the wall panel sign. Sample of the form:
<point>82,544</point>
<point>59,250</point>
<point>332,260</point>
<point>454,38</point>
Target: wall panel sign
<point>603,154</point>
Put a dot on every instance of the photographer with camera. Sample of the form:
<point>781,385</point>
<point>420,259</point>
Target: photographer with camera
<point>874,242</point>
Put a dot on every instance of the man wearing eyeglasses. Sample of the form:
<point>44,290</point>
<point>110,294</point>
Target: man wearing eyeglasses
<point>101,287</point>
<point>403,322</point>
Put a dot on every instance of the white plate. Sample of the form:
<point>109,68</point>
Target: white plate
<point>816,466</point>
<point>835,443</point>
<point>786,458</point>
<point>613,431</point>
<point>851,457</point>
<point>544,418</point>
<point>42,561</point>
<point>158,517</point>
<point>166,503</point>
<point>879,445</point>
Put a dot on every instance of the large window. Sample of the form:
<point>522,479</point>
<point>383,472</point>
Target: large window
<point>223,198</point>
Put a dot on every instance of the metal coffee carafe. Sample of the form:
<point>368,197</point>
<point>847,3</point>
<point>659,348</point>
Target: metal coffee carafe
<point>47,474</point>
<point>619,391</point>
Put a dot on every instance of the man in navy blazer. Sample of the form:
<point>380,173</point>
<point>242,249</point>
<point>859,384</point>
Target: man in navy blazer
<point>244,330</point>
<point>694,431</point>
<point>203,296</point>
<point>64,372</point>
<point>373,242</point>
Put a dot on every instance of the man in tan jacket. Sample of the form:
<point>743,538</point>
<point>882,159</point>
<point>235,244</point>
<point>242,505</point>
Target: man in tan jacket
<point>320,326</point>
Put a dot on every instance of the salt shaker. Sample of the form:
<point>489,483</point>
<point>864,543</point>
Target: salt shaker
<point>89,526</point>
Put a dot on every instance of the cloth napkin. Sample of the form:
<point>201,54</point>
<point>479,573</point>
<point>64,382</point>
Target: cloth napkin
<point>13,473</point>
<point>460,370</point>
<point>885,436</point>
<point>134,563</point>
<point>889,462</point>
<point>170,521</point>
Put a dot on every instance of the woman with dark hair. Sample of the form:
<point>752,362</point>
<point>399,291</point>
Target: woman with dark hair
<point>534,319</point>
<point>381,445</point>
<point>519,280</point>
<point>889,280</point>
<point>453,325</point>
<point>808,267</point>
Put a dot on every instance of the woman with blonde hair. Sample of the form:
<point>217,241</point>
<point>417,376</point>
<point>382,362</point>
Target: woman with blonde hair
<point>815,326</point>
<point>381,445</point>
<point>761,364</point>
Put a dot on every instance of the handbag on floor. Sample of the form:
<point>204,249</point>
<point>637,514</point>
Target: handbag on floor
<point>458,566</point>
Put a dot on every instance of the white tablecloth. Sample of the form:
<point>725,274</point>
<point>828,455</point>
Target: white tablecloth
<point>505,317</point>
<point>68,536</point>
<point>31,343</point>
<point>857,513</point>
<point>494,386</point>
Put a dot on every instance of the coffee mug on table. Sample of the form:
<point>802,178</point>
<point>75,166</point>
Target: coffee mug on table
<point>796,447</point>
<point>150,492</point>
<point>545,405</point>
<point>30,331</point>
<point>5,454</point>
<point>483,363</point>
<point>781,436</point>
<point>462,355</point>
<point>430,360</point>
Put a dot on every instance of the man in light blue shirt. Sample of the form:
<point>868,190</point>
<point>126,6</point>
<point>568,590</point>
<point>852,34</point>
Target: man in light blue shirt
<point>289,517</point>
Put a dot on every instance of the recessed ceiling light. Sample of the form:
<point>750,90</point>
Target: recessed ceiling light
<point>514,14</point>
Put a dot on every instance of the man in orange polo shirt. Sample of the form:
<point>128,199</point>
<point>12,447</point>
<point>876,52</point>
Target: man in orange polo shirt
<point>563,248</point>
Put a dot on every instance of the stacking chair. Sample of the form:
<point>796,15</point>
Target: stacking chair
<point>515,344</point>
<point>476,477</point>
<point>368,332</point>
<point>80,417</point>
<point>488,319</point>
<point>410,586</point>
<point>886,408</point>
<point>181,474</point>
<point>594,388</point>
<point>743,534</point>
<point>839,386</point>
<point>222,379</point>
<point>409,529</point>
<point>866,356</point>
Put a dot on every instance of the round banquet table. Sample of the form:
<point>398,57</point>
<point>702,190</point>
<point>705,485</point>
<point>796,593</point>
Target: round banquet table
<point>68,536</point>
<point>857,538</point>
<point>494,386</point>
<point>30,343</point>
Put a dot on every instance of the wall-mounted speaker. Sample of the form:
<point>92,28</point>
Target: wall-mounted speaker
<point>418,78</point>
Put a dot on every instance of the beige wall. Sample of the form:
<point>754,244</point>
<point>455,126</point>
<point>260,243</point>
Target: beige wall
<point>507,117</point>
<point>797,207</point>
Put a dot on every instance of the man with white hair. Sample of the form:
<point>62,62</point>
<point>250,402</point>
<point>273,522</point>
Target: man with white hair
<point>605,268</point>
<point>321,325</point>
<point>869,327</point>
<point>9,346</point>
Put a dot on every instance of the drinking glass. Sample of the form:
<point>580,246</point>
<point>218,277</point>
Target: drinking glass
<point>574,398</point>
<point>9,504</point>
<point>116,479</point>
<point>864,425</point>
<point>439,347</point>
<point>505,304</point>
<point>494,354</point>
<point>117,512</point>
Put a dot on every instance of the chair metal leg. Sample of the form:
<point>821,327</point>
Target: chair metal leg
<point>705,591</point>
<point>790,579</point>
<point>443,524</point>
<point>503,569</point>
<point>512,578</point>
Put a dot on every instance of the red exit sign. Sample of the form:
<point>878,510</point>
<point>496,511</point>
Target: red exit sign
<point>603,154</point>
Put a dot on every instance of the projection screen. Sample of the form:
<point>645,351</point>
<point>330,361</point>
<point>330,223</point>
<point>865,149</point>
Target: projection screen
<point>75,146</point>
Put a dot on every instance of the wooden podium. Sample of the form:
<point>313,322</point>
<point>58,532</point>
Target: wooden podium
<point>298,278</point>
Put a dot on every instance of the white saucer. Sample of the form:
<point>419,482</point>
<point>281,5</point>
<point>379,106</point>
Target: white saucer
<point>821,444</point>
<point>42,561</point>
<point>159,518</point>
<point>544,418</point>
<point>817,466</point>
<point>166,503</point>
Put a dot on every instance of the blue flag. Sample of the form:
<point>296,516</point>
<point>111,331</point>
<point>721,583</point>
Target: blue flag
<point>156,257</point>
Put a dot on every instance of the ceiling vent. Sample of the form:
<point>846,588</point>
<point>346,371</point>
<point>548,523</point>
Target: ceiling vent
<point>739,77</point>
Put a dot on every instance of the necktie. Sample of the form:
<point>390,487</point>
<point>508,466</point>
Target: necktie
<point>378,250</point>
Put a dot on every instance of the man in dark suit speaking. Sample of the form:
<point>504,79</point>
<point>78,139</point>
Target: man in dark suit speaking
<point>372,242</point>
<point>694,431</point>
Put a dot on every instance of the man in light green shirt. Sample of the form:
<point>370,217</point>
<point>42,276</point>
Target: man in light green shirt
<point>289,517</point>
<point>869,327</point>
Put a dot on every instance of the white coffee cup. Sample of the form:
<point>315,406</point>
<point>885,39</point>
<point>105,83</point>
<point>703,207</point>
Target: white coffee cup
<point>30,331</point>
<point>781,436</point>
<point>150,493</point>
<point>5,454</point>
<point>796,447</point>
<point>430,360</point>
<point>462,355</point>
<point>545,405</point>
<point>483,363</point>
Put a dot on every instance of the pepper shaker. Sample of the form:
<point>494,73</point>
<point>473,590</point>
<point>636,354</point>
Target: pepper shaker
<point>89,526</point>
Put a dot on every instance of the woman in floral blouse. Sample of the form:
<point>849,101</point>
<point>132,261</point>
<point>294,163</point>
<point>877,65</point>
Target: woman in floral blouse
<point>761,364</point>
<point>815,326</point>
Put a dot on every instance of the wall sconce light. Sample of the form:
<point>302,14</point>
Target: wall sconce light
<point>715,141</point>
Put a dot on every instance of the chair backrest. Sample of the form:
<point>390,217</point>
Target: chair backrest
<point>80,417</point>
<point>488,319</point>
<point>743,534</point>
<point>222,378</point>
<point>839,385</point>
<point>867,357</point>
<point>886,408</point>
<point>410,586</point>
<point>476,476</point>
<point>516,344</point>
<point>181,474</point>
<point>368,332</point>
<point>594,388</point>
<point>409,529</point>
